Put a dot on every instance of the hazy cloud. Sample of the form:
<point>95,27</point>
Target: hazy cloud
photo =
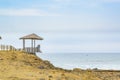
<point>25,12</point>
<point>63,0</point>
<point>111,0</point>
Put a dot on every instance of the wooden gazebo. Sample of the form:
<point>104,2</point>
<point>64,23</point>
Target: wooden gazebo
<point>33,37</point>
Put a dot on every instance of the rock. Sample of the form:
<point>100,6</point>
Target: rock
<point>1,58</point>
<point>95,69</point>
<point>41,67</point>
<point>42,78</point>
<point>77,69</point>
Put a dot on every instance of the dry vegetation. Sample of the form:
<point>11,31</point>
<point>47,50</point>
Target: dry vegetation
<point>21,66</point>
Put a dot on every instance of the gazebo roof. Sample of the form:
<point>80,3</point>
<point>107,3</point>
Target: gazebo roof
<point>32,36</point>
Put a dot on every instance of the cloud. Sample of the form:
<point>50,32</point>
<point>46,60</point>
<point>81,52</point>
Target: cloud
<point>87,1</point>
<point>78,3</point>
<point>63,0</point>
<point>86,47</point>
<point>25,12</point>
<point>110,0</point>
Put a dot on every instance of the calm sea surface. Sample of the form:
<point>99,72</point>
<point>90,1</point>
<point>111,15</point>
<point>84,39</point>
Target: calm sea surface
<point>84,60</point>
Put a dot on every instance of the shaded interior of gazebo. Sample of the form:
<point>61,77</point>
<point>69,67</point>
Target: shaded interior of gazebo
<point>33,37</point>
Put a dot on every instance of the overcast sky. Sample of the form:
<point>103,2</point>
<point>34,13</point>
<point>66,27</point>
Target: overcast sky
<point>67,26</point>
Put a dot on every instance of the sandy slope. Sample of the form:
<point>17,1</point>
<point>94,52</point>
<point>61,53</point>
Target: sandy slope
<point>21,66</point>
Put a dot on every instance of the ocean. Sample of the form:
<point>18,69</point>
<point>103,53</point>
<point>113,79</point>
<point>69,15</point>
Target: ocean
<point>83,60</point>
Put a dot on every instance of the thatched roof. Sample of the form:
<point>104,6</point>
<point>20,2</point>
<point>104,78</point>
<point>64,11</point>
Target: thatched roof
<point>32,36</point>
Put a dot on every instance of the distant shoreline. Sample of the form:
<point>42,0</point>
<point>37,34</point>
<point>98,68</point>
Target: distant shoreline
<point>84,61</point>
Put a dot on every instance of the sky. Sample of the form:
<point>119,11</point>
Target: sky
<point>67,26</point>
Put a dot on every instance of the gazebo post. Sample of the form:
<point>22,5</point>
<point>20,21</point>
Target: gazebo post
<point>34,46</point>
<point>23,44</point>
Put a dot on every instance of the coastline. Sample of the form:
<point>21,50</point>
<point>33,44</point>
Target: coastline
<point>84,60</point>
<point>16,65</point>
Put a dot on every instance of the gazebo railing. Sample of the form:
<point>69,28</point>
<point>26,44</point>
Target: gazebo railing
<point>31,50</point>
<point>26,50</point>
<point>7,48</point>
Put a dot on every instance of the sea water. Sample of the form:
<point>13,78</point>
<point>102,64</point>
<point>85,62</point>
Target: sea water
<point>83,60</point>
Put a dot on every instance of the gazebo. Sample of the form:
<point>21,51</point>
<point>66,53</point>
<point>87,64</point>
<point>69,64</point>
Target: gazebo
<point>33,37</point>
